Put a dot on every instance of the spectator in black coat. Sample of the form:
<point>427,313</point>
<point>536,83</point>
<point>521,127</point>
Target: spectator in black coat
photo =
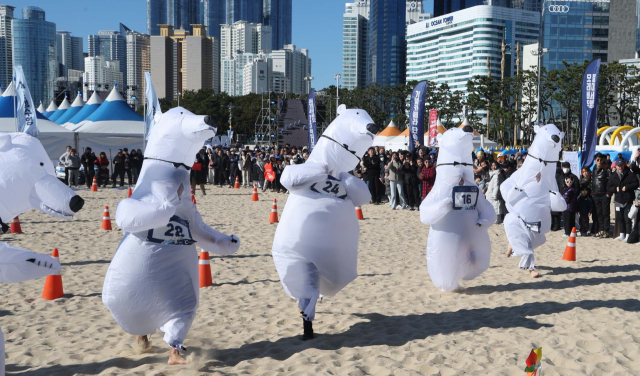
<point>88,161</point>
<point>372,165</point>
<point>622,184</point>
<point>601,197</point>
<point>118,168</point>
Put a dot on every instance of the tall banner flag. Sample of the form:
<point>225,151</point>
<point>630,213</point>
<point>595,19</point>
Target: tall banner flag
<point>311,120</point>
<point>25,111</point>
<point>153,105</point>
<point>433,127</point>
<point>416,115</point>
<point>589,109</point>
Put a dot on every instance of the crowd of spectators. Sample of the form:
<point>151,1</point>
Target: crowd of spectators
<point>401,179</point>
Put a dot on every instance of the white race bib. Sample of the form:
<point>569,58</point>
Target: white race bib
<point>329,186</point>
<point>465,197</point>
<point>176,232</point>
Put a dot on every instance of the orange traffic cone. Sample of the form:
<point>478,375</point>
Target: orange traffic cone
<point>254,196</point>
<point>53,284</point>
<point>274,212</point>
<point>15,226</point>
<point>359,213</point>
<point>94,185</point>
<point>237,184</point>
<point>106,219</point>
<point>193,196</point>
<point>129,193</point>
<point>205,269</point>
<point>570,250</point>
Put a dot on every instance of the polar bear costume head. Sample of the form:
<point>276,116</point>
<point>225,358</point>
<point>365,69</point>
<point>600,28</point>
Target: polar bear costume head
<point>454,158</point>
<point>543,156</point>
<point>179,135</point>
<point>345,141</point>
<point>28,181</point>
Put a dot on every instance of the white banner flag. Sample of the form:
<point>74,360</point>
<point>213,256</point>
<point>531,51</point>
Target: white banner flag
<point>25,112</point>
<point>153,105</point>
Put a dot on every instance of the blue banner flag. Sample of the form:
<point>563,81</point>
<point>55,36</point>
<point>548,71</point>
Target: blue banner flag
<point>311,120</point>
<point>416,115</point>
<point>589,112</point>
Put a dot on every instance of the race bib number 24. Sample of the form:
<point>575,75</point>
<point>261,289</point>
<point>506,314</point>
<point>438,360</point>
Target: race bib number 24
<point>329,186</point>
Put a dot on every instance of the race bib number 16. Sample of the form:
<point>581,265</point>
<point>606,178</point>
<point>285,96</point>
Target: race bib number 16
<point>465,197</point>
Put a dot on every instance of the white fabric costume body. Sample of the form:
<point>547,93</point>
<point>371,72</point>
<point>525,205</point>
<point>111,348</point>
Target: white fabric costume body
<point>458,246</point>
<point>152,281</point>
<point>27,181</point>
<point>530,199</point>
<point>315,248</point>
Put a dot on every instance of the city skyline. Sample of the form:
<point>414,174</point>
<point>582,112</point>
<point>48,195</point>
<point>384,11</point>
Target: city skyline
<point>325,48</point>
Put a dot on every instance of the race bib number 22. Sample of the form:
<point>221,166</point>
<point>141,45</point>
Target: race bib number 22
<point>176,232</point>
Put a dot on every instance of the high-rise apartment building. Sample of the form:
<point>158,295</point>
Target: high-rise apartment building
<point>181,61</point>
<point>101,74</point>
<point>442,7</point>
<point>34,48</point>
<point>244,37</point>
<point>387,47</point>
<point>138,62</point>
<point>111,45</point>
<point>69,51</point>
<point>356,37</point>
<point>6,46</point>
<point>278,15</point>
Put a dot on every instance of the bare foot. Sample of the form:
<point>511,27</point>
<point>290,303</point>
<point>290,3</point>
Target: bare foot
<point>143,342</point>
<point>534,274</point>
<point>509,251</point>
<point>175,358</point>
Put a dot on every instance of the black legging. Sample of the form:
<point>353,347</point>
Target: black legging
<point>624,222</point>
<point>569,219</point>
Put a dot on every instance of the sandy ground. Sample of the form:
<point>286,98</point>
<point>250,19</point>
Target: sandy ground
<point>390,321</point>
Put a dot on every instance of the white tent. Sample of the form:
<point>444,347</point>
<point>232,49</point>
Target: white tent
<point>114,125</point>
<point>53,137</point>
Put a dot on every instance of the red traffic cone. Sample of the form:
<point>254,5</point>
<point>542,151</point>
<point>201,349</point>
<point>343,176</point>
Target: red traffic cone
<point>94,185</point>
<point>15,226</point>
<point>237,184</point>
<point>205,269</point>
<point>254,196</point>
<point>570,249</point>
<point>53,285</point>
<point>129,193</point>
<point>274,212</point>
<point>193,196</point>
<point>106,220</point>
<point>359,213</point>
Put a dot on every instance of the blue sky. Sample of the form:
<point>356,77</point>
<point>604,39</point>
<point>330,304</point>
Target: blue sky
<point>317,25</point>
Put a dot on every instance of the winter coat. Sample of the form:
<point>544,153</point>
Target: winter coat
<point>73,161</point>
<point>493,191</point>
<point>628,181</point>
<point>571,198</point>
<point>585,204</point>
<point>395,171</point>
<point>600,180</point>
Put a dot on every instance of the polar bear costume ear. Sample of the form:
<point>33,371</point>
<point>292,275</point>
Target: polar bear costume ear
<point>439,137</point>
<point>5,141</point>
<point>561,134</point>
<point>341,109</point>
<point>536,128</point>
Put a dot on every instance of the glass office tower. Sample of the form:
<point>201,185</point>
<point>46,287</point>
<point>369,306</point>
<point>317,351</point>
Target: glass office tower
<point>34,48</point>
<point>277,14</point>
<point>244,10</point>
<point>387,44</point>
<point>575,31</point>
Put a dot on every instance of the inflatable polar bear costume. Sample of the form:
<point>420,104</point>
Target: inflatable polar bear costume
<point>531,194</point>
<point>459,214</point>
<point>152,281</point>
<point>315,248</point>
<point>27,181</point>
